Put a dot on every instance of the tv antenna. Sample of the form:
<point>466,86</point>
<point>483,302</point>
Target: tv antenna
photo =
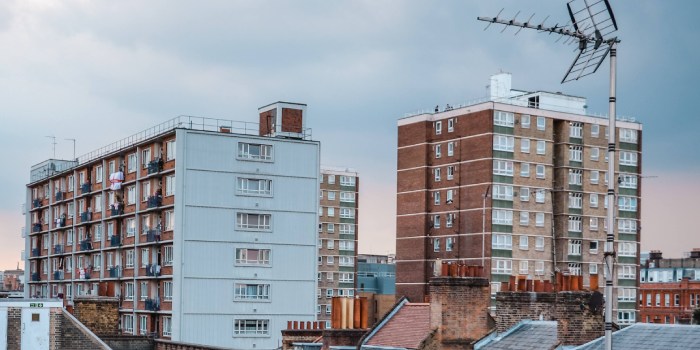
<point>73,147</point>
<point>592,25</point>
<point>53,138</point>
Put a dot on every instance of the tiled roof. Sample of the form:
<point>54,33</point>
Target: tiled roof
<point>406,329</point>
<point>527,335</point>
<point>642,336</point>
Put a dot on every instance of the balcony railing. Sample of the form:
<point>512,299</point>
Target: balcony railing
<point>153,270</point>
<point>36,252</point>
<point>155,166</point>
<point>155,201</point>
<point>116,209</point>
<point>153,304</point>
<point>85,216</point>
<point>35,277</point>
<point>36,227</point>
<point>36,203</point>
<point>58,249</point>
<point>59,196</point>
<point>115,272</point>
<point>61,222</point>
<point>58,275</point>
<point>85,245</point>
<point>85,188</point>
<point>153,235</point>
<point>115,241</point>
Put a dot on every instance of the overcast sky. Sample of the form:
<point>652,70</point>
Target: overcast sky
<point>99,71</point>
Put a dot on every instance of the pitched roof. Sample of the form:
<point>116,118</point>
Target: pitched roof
<point>405,327</point>
<point>526,335</point>
<point>641,336</point>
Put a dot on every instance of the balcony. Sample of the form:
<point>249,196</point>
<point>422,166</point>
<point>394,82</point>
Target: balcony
<point>36,252</point>
<point>115,241</point>
<point>85,216</point>
<point>58,275</point>
<point>116,209</point>
<point>155,166</point>
<point>153,235</point>
<point>35,277</point>
<point>36,203</point>
<point>58,249</point>
<point>115,272</point>
<point>155,201</point>
<point>59,196</point>
<point>153,304</point>
<point>61,222</point>
<point>85,188</point>
<point>85,245</point>
<point>36,227</point>
<point>153,270</point>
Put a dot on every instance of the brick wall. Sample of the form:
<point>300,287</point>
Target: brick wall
<point>72,335</point>
<point>170,345</point>
<point>291,336</point>
<point>342,337</point>
<point>125,342</point>
<point>14,334</point>
<point>513,307</point>
<point>291,120</point>
<point>99,314</point>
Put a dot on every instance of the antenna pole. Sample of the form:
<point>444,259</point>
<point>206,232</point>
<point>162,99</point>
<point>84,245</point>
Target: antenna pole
<point>73,147</point>
<point>54,144</point>
<point>610,242</point>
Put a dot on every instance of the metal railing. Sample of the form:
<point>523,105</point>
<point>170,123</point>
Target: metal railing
<point>153,235</point>
<point>58,275</point>
<point>115,272</point>
<point>36,227</point>
<point>35,277</point>
<point>85,188</point>
<point>155,201</point>
<point>36,252</point>
<point>58,249</point>
<point>85,216</point>
<point>85,245</point>
<point>115,241</point>
<point>153,304</point>
<point>153,270</point>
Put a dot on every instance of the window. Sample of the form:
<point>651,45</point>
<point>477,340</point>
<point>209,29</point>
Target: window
<point>594,200</point>
<point>438,151</point>
<point>502,266</point>
<point>626,272</point>
<point>436,221</point>
<point>539,268</point>
<point>450,172</point>
<point>69,237</point>
<point>170,150</point>
<point>575,269</point>
<point>502,241</point>
<point>593,269</point>
<point>595,130</point>
<point>575,176</point>
<point>143,324</point>
<point>250,221</point>
<point>347,197</point>
<point>347,213</point>
<point>130,227</point>
<point>575,153</point>
<point>503,143</point>
<point>329,293</point>
<point>628,181</point>
<point>346,261</point>
<point>347,229</point>
<point>628,158</point>
<point>170,185</point>
<point>97,261</point>
<point>438,128</point>
<point>575,200</point>
<point>449,220</point>
<point>525,170</point>
<point>436,197</point>
<point>576,130</point>
<point>539,243</point>
<point>524,194</point>
<point>450,148</point>
<point>330,244</point>
<point>98,173</point>
<point>504,192</point>
<point>627,249</point>
<point>449,244</point>
<point>541,123</point>
<point>595,153</point>
<point>167,326</point>
<point>436,244</point>
<point>539,219</point>
<point>628,135</point>
<point>252,151</point>
<point>626,317</point>
<point>330,228</point>
<point>144,291</point>
<point>450,125</point>
<point>129,291</point>
<point>145,257</point>
<point>71,183</point>
<point>575,247</point>
<point>251,327</point>
<point>667,302</point>
<point>541,147</point>
<point>539,171</point>
<point>595,175</point>
<point>594,224</point>
<point>131,195</point>
<point>525,121</point>
<point>503,167</point>
<point>502,217</point>
<point>347,181</point>
<point>168,255</point>
<point>575,224</point>
<point>245,256</point>
<point>525,145</point>
<point>130,258</point>
<point>627,226</point>
<point>346,277</point>
<point>437,174</point>
<point>254,186</point>
<point>503,119</point>
<point>128,323</point>
<point>247,291</point>
<point>146,157</point>
<point>524,218</point>
<point>524,243</point>
<point>539,196</point>
<point>627,203</point>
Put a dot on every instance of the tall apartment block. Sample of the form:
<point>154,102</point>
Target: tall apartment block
<point>199,226</point>
<point>516,184</point>
<point>337,237</point>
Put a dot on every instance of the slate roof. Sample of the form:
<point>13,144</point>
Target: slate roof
<point>651,336</point>
<point>404,329</point>
<point>526,335</point>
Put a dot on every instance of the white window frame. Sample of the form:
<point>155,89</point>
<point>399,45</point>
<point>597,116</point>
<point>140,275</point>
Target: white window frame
<point>539,171</point>
<point>524,145</point>
<point>504,119</point>
<point>502,241</point>
<point>541,123</point>
<point>249,221</point>
<point>264,152</point>
<point>525,121</point>
<point>169,150</point>
<point>524,170</point>
<point>503,167</point>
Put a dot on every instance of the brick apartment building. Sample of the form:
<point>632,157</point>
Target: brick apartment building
<point>517,184</point>
<point>210,258</point>
<point>337,237</point>
<point>670,288</point>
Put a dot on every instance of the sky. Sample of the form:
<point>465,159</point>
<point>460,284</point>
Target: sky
<point>99,71</point>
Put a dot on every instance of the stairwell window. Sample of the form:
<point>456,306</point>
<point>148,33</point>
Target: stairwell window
<point>255,151</point>
<point>253,221</point>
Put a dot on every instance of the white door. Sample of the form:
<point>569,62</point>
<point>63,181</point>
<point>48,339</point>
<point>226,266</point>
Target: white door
<point>3,328</point>
<point>35,328</point>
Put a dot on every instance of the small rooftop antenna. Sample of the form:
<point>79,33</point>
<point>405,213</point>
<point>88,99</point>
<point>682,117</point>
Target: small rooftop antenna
<point>54,145</point>
<point>592,25</point>
<point>73,147</point>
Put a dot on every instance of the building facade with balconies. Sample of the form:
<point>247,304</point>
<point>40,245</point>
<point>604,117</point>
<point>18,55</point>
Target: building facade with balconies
<point>517,184</point>
<point>200,227</point>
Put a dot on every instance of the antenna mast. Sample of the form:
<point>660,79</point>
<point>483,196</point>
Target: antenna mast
<point>592,25</point>
<point>53,138</point>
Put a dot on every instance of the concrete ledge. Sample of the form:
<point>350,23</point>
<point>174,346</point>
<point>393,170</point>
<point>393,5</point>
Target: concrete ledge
<point>162,344</point>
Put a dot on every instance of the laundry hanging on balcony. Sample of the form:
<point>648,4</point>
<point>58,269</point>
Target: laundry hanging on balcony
<point>116,180</point>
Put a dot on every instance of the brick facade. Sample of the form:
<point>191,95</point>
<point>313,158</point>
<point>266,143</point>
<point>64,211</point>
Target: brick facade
<point>99,314</point>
